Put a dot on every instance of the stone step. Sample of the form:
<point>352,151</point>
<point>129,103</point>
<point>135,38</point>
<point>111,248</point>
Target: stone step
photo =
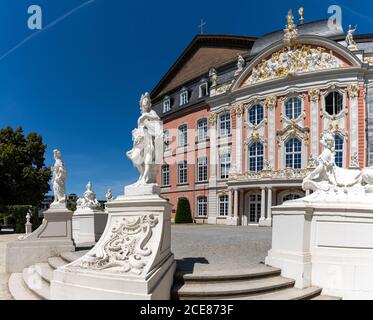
<point>324,297</point>
<point>284,294</point>
<point>45,271</point>
<point>212,290</point>
<point>36,283</point>
<point>18,288</point>
<point>56,262</point>
<point>214,276</point>
<point>72,256</point>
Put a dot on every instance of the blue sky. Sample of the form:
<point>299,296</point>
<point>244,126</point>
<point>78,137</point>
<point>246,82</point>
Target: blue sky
<point>78,82</point>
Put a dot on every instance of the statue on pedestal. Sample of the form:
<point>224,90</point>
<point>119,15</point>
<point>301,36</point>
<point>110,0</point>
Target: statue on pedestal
<point>351,44</point>
<point>59,179</point>
<point>89,200</point>
<point>147,151</point>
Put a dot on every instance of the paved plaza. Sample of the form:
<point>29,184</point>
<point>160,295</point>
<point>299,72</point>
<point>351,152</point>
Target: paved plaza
<point>197,248</point>
<point>214,248</point>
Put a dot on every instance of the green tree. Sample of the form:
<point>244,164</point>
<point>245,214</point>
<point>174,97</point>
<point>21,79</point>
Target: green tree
<point>183,212</point>
<point>23,175</point>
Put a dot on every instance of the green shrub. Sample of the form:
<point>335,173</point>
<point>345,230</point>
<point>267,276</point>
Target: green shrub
<point>183,212</point>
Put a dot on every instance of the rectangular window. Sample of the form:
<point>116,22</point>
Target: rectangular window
<point>183,98</point>
<point>223,205</point>
<point>225,165</point>
<point>183,135</point>
<point>225,124</point>
<point>202,169</point>
<point>202,206</point>
<point>203,91</point>
<point>183,172</point>
<point>166,106</point>
<point>166,175</point>
<point>202,130</point>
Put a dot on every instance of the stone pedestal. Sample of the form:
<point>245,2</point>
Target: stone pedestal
<point>326,240</point>
<point>88,226</point>
<point>132,259</point>
<point>52,237</point>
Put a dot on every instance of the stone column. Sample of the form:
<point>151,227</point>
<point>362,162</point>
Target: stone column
<point>235,204</point>
<point>239,115</point>
<point>269,207</point>
<point>263,208</point>
<point>230,202</point>
<point>212,204</point>
<point>314,95</point>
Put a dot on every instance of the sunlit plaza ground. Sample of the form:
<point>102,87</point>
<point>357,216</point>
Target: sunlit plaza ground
<point>197,248</point>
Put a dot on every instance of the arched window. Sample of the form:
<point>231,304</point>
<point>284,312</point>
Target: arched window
<point>165,175</point>
<point>202,130</point>
<point>333,103</point>
<point>293,153</point>
<point>202,206</point>
<point>256,114</point>
<point>293,107</point>
<point>225,124</point>
<point>338,145</point>
<point>256,157</point>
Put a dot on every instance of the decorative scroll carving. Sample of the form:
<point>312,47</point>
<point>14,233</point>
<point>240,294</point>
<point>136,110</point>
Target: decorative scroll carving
<point>127,247</point>
<point>314,94</point>
<point>213,116</point>
<point>291,61</point>
<point>353,90</point>
<point>270,102</point>
<point>290,31</point>
<point>239,108</point>
<point>368,60</point>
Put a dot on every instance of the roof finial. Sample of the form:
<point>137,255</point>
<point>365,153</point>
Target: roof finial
<point>291,32</point>
<point>202,24</point>
<point>300,12</point>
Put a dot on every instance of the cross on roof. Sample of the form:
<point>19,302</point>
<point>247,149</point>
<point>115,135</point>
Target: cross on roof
<point>203,23</point>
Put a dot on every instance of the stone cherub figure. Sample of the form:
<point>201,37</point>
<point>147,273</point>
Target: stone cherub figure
<point>59,179</point>
<point>89,199</point>
<point>109,195</point>
<point>147,151</point>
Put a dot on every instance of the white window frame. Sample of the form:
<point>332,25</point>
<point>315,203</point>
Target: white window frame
<point>184,99</point>
<point>205,85</point>
<point>226,131</point>
<point>166,105</point>
<point>167,173</point>
<point>182,136</point>
<point>224,166</point>
<point>182,172</point>
<point>293,153</point>
<point>223,205</point>
<point>202,132</point>
<point>202,169</point>
<point>292,107</point>
<point>202,206</point>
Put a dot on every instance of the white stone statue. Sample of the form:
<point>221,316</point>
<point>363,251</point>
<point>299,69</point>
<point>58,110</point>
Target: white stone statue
<point>89,200</point>
<point>213,77</point>
<point>240,64</point>
<point>109,195</point>
<point>328,176</point>
<point>147,151</point>
<point>59,179</point>
<point>351,44</point>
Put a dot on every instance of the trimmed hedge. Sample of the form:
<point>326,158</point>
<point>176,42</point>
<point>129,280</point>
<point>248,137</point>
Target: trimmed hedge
<point>183,212</point>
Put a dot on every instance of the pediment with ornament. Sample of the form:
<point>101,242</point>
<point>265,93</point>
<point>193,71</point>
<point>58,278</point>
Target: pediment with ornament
<point>295,60</point>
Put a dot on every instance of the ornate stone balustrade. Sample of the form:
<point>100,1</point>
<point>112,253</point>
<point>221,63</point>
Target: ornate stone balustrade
<point>283,174</point>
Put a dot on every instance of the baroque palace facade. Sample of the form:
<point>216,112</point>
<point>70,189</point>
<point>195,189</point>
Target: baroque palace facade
<point>243,117</point>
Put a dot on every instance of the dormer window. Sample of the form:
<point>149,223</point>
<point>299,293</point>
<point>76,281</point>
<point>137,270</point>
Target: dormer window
<point>184,97</point>
<point>166,104</point>
<point>203,90</point>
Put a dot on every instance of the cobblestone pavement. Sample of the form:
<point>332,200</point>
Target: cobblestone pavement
<point>4,238</point>
<point>206,248</point>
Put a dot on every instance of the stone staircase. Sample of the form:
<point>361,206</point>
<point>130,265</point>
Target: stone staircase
<point>261,283</point>
<point>34,282</point>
